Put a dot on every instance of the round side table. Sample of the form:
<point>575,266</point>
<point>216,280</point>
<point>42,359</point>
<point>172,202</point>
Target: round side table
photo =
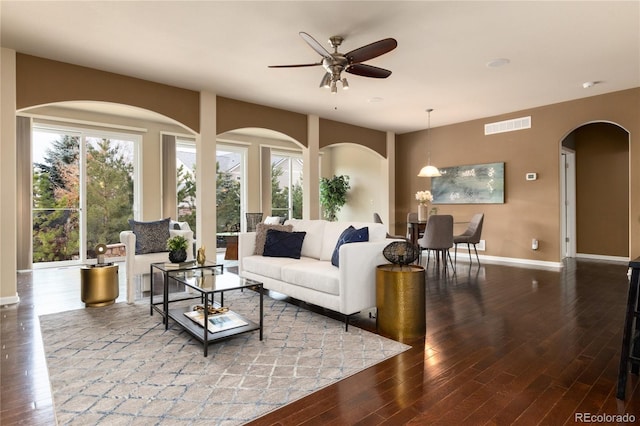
<point>400,299</point>
<point>100,285</point>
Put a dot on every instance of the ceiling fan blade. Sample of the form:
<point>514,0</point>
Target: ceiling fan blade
<point>315,45</point>
<point>295,65</point>
<point>371,51</point>
<point>368,71</point>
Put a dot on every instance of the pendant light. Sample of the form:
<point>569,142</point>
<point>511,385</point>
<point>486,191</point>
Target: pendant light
<point>429,170</point>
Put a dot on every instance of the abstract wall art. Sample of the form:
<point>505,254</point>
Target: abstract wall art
<point>472,184</point>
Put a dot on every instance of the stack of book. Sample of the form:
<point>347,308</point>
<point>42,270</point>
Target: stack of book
<point>217,322</point>
<point>179,265</point>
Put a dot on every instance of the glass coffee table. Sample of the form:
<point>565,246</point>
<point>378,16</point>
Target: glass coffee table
<point>171,284</point>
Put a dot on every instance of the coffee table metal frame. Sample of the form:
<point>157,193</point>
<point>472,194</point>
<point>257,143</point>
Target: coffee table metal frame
<point>206,280</point>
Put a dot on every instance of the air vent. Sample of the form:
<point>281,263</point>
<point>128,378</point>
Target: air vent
<point>507,126</point>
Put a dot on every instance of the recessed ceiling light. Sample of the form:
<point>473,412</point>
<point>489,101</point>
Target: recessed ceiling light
<point>375,99</point>
<point>497,63</point>
<point>588,84</point>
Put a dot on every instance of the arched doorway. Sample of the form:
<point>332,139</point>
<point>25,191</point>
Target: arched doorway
<point>367,171</point>
<point>595,192</point>
<point>98,153</point>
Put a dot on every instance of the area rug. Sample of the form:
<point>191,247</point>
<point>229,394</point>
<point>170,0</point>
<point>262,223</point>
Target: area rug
<point>118,364</point>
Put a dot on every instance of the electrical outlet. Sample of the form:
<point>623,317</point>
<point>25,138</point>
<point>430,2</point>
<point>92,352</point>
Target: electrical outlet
<point>534,244</point>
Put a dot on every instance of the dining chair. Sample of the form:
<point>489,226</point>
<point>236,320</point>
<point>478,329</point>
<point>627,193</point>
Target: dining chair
<point>252,220</point>
<point>412,217</point>
<point>470,236</point>
<point>378,219</point>
<point>438,236</point>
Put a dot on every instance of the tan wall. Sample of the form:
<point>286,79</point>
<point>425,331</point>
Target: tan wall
<point>363,168</point>
<point>233,114</point>
<point>532,208</point>
<point>602,190</point>
<point>333,132</point>
<point>42,81</point>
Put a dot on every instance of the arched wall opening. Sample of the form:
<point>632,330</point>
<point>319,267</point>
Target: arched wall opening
<point>367,171</point>
<point>259,148</point>
<point>147,128</point>
<point>595,191</point>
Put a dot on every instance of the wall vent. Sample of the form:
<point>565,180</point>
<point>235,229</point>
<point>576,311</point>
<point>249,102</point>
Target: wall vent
<point>507,126</point>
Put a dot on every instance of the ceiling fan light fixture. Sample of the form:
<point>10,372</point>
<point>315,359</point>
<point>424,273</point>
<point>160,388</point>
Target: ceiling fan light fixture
<point>326,81</point>
<point>351,62</point>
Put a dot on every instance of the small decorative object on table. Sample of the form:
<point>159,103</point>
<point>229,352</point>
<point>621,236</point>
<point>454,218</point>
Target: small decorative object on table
<point>201,257</point>
<point>177,247</point>
<point>401,253</point>
<point>423,198</point>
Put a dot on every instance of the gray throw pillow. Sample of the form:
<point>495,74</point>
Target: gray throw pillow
<point>261,235</point>
<point>151,237</point>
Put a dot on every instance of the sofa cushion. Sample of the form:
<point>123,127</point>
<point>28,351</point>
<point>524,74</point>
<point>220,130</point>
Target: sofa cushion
<point>151,237</point>
<point>312,245</point>
<point>270,267</point>
<point>349,235</point>
<point>283,244</point>
<point>261,235</point>
<point>316,275</point>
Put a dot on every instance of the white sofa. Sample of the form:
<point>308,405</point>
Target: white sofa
<point>137,266</point>
<point>349,289</point>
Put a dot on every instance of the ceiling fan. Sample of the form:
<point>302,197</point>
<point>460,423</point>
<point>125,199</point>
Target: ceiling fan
<point>351,62</point>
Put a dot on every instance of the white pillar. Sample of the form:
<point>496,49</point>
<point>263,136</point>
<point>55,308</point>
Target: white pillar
<point>311,170</point>
<point>206,175</point>
<point>8,180</point>
<point>389,173</point>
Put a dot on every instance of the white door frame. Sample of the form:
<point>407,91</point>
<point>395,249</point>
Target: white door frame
<point>568,203</point>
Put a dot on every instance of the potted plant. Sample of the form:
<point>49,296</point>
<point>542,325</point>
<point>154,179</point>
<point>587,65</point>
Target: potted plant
<point>177,246</point>
<point>333,195</point>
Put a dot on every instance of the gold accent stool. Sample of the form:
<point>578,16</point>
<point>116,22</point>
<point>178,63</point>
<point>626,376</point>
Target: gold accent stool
<point>99,285</point>
<point>400,299</point>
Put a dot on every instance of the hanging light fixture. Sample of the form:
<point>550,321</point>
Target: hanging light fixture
<point>429,170</point>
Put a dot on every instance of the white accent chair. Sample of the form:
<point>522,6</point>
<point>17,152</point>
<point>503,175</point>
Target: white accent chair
<point>137,265</point>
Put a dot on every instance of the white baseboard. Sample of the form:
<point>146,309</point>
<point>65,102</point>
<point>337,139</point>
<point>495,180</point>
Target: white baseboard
<point>511,261</point>
<point>11,300</point>
<point>602,257</point>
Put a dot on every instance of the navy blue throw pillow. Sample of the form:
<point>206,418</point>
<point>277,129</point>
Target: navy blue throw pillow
<point>349,235</point>
<point>283,244</point>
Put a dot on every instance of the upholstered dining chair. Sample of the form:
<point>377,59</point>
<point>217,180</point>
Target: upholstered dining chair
<point>411,217</point>
<point>438,236</point>
<point>378,219</point>
<point>470,236</point>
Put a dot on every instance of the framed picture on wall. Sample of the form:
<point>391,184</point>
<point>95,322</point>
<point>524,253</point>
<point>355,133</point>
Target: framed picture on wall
<point>472,184</point>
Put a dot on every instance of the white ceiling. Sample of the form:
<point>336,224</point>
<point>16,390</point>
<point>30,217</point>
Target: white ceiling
<point>443,47</point>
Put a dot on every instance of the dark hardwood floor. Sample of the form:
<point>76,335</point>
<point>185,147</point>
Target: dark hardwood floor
<point>505,345</point>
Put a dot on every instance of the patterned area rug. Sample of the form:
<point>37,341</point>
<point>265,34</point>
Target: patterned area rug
<point>118,365</point>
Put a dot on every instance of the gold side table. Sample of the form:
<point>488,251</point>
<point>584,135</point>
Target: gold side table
<point>100,285</point>
<point>400,299</point>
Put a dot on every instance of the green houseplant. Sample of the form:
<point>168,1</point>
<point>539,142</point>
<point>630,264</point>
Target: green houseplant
<point>333,195</point>
<point>177,246</point>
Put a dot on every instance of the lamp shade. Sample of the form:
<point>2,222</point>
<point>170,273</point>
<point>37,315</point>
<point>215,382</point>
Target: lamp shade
<point>429,171</point>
